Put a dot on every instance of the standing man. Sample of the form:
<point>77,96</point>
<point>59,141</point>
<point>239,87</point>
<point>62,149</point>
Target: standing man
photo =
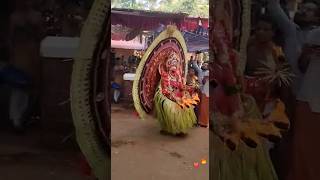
<point>203,78</point>
<point>295,33</point>
<point>305,151</point>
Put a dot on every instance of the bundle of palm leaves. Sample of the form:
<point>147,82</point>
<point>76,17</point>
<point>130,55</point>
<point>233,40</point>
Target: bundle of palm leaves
<point>279,74</point>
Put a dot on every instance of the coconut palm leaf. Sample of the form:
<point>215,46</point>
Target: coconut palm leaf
<point>278,74</point>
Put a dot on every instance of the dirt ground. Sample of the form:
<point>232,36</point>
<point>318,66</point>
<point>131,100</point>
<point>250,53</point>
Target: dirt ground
<point>140,152</point>
<point>40,154</point>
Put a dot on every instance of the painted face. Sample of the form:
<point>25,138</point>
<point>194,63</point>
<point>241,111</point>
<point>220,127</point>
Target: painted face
<point>264,31</point>
<point>172,64</point>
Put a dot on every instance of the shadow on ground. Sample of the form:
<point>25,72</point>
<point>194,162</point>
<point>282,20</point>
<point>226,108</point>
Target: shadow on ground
<point>139,150</point>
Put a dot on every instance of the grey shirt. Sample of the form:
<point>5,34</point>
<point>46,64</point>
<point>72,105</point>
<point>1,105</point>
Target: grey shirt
<point>294,39</point>
<point>199,71</point>
<point>201,74</point>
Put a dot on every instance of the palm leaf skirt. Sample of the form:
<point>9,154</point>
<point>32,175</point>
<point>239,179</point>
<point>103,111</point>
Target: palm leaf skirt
<point>172,118</point>
<point>244,163</point>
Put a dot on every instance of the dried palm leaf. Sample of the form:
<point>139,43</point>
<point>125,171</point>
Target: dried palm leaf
<point>277,74</point>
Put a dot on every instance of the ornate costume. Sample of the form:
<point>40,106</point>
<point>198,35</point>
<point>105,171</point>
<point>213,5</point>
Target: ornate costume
<point>265,78</point>
<point>160,84</point>
<point>238,132</point>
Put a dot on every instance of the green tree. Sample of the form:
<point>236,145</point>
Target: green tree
<point>191,7</point>
<point>129,4</point>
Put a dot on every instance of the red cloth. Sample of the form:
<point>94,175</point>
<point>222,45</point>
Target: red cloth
<point>260,90</point>
<point>225,77</point>
<point>256,87</point>
<point>135,113</point>
<point>304,148</point>
<point>84,167</point>
<point>204,110</point>
<point>118,36</point>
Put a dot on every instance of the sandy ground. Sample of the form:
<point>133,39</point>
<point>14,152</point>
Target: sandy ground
<point>39,154</point>
<point>140,152</point>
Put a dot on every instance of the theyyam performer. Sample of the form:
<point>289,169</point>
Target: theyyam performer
<point>239,131</point>
<point>159,88</point>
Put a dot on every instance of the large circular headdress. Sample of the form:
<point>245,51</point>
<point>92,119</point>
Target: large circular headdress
<point>147,76</point>
<point>90,90</point>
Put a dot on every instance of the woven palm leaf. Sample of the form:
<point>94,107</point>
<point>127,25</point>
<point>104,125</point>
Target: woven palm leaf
<point>87,117</point>
<point>172,118</point>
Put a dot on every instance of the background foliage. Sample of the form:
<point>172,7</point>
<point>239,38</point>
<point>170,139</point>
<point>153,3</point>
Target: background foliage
<point>192,7</point>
